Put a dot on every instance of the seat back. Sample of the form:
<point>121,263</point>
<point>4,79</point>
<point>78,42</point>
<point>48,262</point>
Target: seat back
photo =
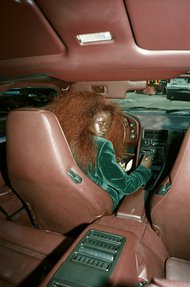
<point>171,213</point>
<point>44,174</point>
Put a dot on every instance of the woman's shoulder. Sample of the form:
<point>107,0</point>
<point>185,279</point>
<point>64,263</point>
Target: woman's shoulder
<point>102,142</point>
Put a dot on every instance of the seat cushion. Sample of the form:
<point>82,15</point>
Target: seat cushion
<point>178,269</point>
<point>167,283</point>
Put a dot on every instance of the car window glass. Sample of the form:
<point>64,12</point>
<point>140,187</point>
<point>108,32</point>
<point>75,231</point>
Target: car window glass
<point>167,95</point>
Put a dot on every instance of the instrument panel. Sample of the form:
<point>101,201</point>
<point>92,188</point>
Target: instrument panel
<point>161,138</point>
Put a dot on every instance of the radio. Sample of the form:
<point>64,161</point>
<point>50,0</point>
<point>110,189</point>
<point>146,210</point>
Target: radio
<point>154,143</point>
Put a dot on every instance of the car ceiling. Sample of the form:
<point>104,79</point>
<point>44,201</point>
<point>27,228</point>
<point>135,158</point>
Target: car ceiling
<point>150,39</point>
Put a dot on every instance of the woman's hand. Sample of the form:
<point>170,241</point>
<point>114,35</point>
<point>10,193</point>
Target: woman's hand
<point>146,161</point>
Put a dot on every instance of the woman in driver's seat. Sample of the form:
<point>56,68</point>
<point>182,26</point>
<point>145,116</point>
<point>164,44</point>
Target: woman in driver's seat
<point>95,129</point>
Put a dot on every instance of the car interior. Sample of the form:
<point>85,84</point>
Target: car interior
<point>57,227</point>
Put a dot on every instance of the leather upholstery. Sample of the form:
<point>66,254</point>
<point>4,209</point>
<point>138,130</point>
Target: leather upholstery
<point>27,253</point>
<point>39,160</point>
<point>178,269</point>
<point>132,206</point>
<point>170,215</point>
<point>168,283</point>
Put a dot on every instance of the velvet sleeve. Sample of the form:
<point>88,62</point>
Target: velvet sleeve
<point>115,176</point>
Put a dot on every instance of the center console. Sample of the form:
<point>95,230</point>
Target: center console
<point>91,262</point>
<point>113,252</point>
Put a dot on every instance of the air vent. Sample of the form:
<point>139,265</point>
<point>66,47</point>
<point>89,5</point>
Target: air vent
<point>92,261</point>
<point>98,249</point>
<point>97,263</point>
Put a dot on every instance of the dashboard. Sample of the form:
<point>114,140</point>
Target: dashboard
<point>161,137</point>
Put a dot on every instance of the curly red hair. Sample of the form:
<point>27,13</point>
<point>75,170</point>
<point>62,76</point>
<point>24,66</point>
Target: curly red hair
<point>75,112</point>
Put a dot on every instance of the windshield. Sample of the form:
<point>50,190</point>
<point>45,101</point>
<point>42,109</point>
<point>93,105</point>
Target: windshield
<point>171,96</point>
<point>163,95</point>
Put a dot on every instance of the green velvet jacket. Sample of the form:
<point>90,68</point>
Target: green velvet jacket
<point>111,177</point>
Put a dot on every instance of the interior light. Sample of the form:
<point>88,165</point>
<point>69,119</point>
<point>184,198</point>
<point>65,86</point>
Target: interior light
<point>95,37</point>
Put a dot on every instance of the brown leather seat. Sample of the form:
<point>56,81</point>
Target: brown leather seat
<point>27,253</point>
<point>44,174</point>
<point>167,283</point>
<point>170,213</point>
<point>177,269</point>
<point>177,274</point>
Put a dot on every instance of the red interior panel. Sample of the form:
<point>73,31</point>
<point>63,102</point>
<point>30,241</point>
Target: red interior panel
<point>154,24</point>
<point>41,38</point>
<point>25,32</point>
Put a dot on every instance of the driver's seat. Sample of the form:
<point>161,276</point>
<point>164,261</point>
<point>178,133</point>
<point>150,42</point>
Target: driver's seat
<point>43,173</point>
